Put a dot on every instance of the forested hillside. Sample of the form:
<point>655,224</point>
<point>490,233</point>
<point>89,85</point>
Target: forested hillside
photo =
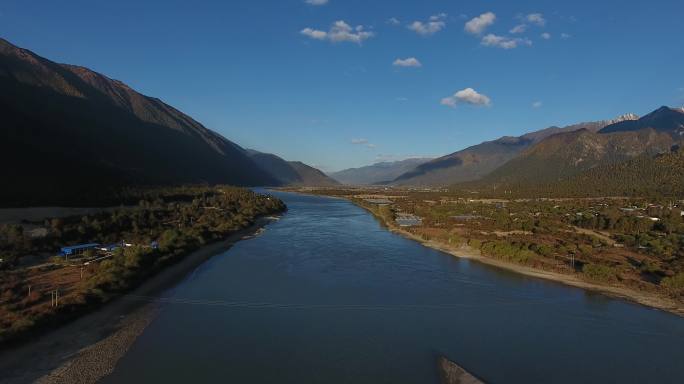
<point>564,155</point>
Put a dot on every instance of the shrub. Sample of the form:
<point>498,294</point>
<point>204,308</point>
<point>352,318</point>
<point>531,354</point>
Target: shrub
<point>675,283</point>
<point>599,272</point>
<point>477,244</point>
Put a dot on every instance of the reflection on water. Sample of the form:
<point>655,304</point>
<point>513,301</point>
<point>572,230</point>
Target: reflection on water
<point>327,295</point>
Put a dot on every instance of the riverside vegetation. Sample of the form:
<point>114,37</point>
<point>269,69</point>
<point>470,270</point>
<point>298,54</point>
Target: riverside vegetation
<point>631,243</point>
<point>180,219</point>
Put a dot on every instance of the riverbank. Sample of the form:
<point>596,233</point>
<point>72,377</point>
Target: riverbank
<point>98,340</point>
<point>467,252</point>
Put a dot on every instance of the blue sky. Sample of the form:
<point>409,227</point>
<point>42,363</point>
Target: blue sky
<point>281,76</point>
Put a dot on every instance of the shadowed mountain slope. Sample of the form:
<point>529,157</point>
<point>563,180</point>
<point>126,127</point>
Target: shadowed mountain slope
<point>71,135</point>
<point>291,173</point>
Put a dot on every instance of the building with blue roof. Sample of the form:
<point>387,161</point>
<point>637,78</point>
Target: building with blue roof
<point>77,249</point>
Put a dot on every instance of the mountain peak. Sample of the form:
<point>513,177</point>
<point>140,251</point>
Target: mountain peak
<point>664,119</point>
<point>6,44</point>
<point>664,110</point>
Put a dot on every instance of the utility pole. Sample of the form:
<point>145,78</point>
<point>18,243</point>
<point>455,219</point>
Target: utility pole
<point>54,297</point>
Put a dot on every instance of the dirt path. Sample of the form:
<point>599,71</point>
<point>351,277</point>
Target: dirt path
<point>597,234</point>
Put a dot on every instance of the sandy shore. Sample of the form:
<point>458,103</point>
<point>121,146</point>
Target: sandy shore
<point>97,361</point>
<point>466,252</point>
<point>88,348</point>
<point>452,373</point>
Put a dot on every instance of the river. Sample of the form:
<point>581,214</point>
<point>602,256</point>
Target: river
<point>326,295</point>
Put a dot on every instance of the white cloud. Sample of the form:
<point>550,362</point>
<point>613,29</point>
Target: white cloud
<point>439,16</point>
<point>342,31</point>
<point>387,157</point>
<point>339,32</point>
<point>314,33</point>
<point>393,21</point>
<point>520,28</point>
<point>435,24</point>
<point>505,42</point>
<point>536,19</point>
<point>316,2</point>
<point>363,142</point>
<point>478,24</point>
<point>466,96</point>
<point>546,36</point>
<point>537,104</point>
<point>407,62</point>
<point>565,35</point>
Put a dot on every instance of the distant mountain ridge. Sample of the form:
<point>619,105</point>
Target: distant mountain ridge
<point>383,172</point>
<point>292,173</point>
<point>477,161</point>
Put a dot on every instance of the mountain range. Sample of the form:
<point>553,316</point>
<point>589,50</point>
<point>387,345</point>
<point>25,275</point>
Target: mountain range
<point>378,173</point>
<point>72,133</point>
<point>291,173</point>
<point>475,162</point>
<point>624,158</point>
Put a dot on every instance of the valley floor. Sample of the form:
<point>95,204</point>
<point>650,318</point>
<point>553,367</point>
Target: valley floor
<point>609,267</point>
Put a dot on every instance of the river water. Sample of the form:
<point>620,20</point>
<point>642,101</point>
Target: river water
<point>326,295</point>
